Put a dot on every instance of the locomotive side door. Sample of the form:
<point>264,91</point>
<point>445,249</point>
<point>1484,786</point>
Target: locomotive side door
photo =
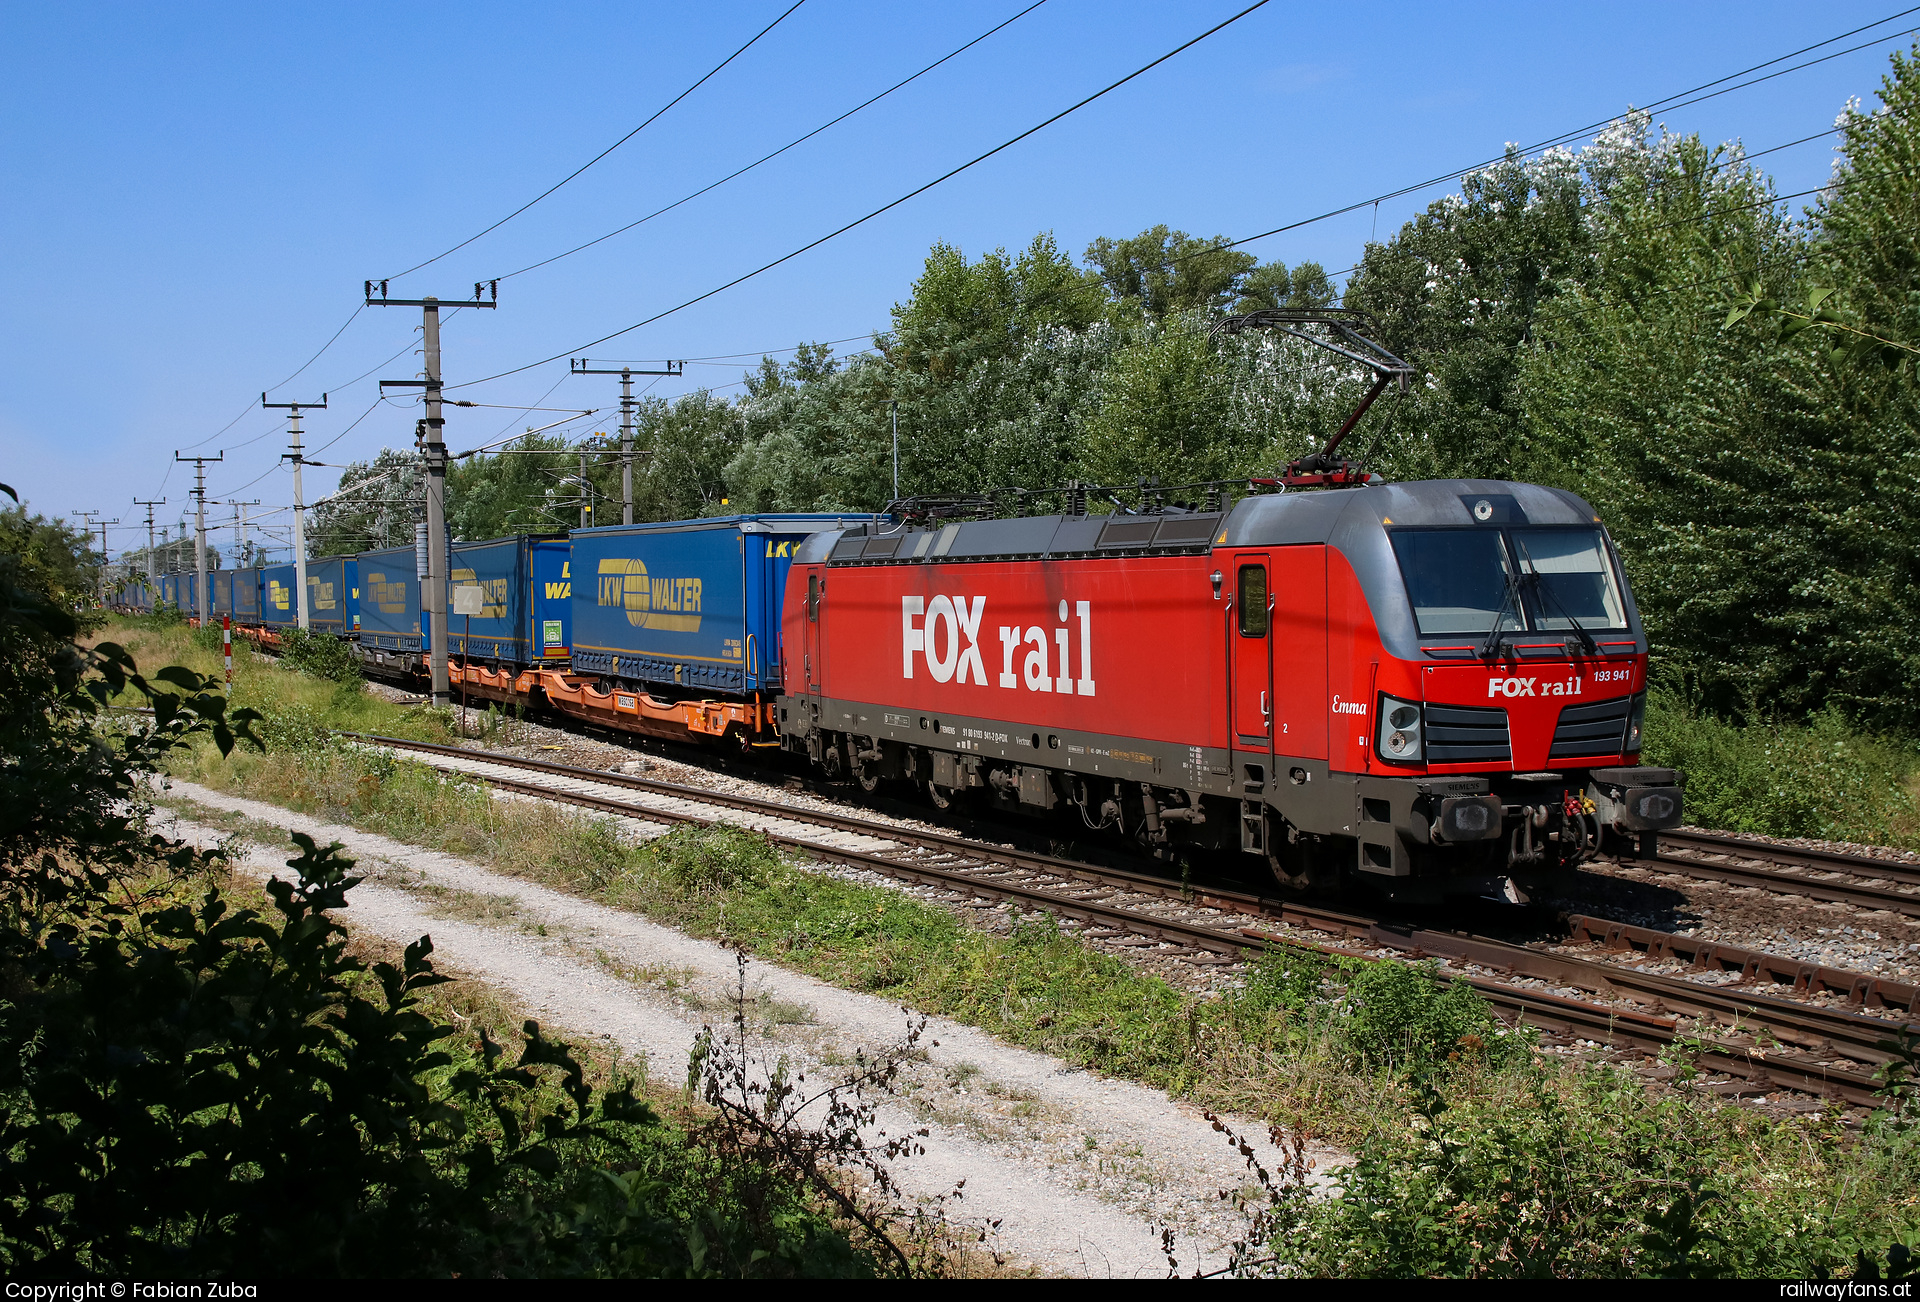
<point>813,670</point>
<point>1250,649</point>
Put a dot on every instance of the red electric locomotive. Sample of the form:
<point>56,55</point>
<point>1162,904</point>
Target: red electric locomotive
<point>1436,687</point>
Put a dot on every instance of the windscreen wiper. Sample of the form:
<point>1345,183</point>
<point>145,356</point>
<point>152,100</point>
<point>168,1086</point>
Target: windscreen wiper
<point>1491,647</point>
<point>1540,585</point>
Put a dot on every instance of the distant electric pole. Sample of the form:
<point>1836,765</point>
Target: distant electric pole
<point>239,526</point>
<point>299,509</point>
<point>200,530</point>
<point>101,525</point>
<point>433,590</point>
<point>153,573</point>
<point>626,373</point>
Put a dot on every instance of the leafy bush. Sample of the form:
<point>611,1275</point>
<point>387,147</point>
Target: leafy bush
<point>1819,779</point>
<point>199,1090</point>
<point>296,727</point>
<point>1587,1174</point>
<point>320,654</point>
<point>1401,1017</point>
<point>709,860</point>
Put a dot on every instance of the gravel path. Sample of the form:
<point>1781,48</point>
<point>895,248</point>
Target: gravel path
<point>1079,1171</point>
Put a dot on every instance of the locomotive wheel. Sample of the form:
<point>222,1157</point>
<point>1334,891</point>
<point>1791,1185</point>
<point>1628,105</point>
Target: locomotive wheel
<point>942,798</point>
<point>1299,864</point>
<point>869,782</point>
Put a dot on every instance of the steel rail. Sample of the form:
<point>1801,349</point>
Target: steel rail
<point>1794,856</point>
<point>1759,876</point>
<point>1805,1027</point>
<point>1862,989</point>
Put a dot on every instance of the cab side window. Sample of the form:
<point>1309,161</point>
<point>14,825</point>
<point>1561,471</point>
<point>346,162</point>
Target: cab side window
<point>1252,600</point>
<point>813,597</point>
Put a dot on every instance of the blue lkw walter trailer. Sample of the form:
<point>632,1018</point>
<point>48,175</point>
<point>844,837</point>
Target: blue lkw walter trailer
<point>279,606</point>
<point>390,623</point>
<point>525,613</point>
<point>330,601</point>
<point>246,596</point>
<point>688,606</point>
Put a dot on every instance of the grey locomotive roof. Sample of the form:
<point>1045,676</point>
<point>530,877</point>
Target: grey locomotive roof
<point>1342,517</point>
<point>761,522</point>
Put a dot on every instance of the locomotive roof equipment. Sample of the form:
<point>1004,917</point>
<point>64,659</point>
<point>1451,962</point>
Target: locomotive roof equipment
<point>1323,469</point>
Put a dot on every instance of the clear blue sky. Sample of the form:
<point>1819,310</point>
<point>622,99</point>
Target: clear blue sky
<point>192,194</point>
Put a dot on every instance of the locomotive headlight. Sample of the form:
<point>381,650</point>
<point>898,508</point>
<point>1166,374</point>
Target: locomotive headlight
<point>1401,737</point>
<point>1636,719</point>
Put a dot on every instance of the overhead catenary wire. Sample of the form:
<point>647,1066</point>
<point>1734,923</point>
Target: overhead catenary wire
<point>1669,103</point>
<point>710,73</point>
<point>1677,100</point>
<point>767,158</point>
<point>887,207</point>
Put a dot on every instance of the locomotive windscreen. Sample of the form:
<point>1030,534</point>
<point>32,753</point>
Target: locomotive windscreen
<point>1457,578</point>
<point>1540,578</point>
<point>1575,579</point>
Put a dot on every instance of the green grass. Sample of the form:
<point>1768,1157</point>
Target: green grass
<point>297,705</point>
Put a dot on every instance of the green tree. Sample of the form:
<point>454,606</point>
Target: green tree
<point>1162,271</point>
<point>1709,453</point>
<point>1272,285</point>
<point>1457,289</point>
<point>375,506</point>
<point>682,449</point>
<point>512,491</point>
<point>1162,403</point>
<point>49,558</point>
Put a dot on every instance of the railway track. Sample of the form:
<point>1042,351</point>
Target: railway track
<point>1739,861</point>
<point>1762,1040</point>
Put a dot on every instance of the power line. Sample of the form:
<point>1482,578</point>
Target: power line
<point>783,149</point>
<point>323,348</point>
<point>1008,144</point>
<point>774,352</point>
<point>1677,100</point>
<point>1671,102</point>
<point>603,153</point>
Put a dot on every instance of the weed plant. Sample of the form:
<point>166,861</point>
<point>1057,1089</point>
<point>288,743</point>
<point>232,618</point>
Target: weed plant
<point>321,655</point>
